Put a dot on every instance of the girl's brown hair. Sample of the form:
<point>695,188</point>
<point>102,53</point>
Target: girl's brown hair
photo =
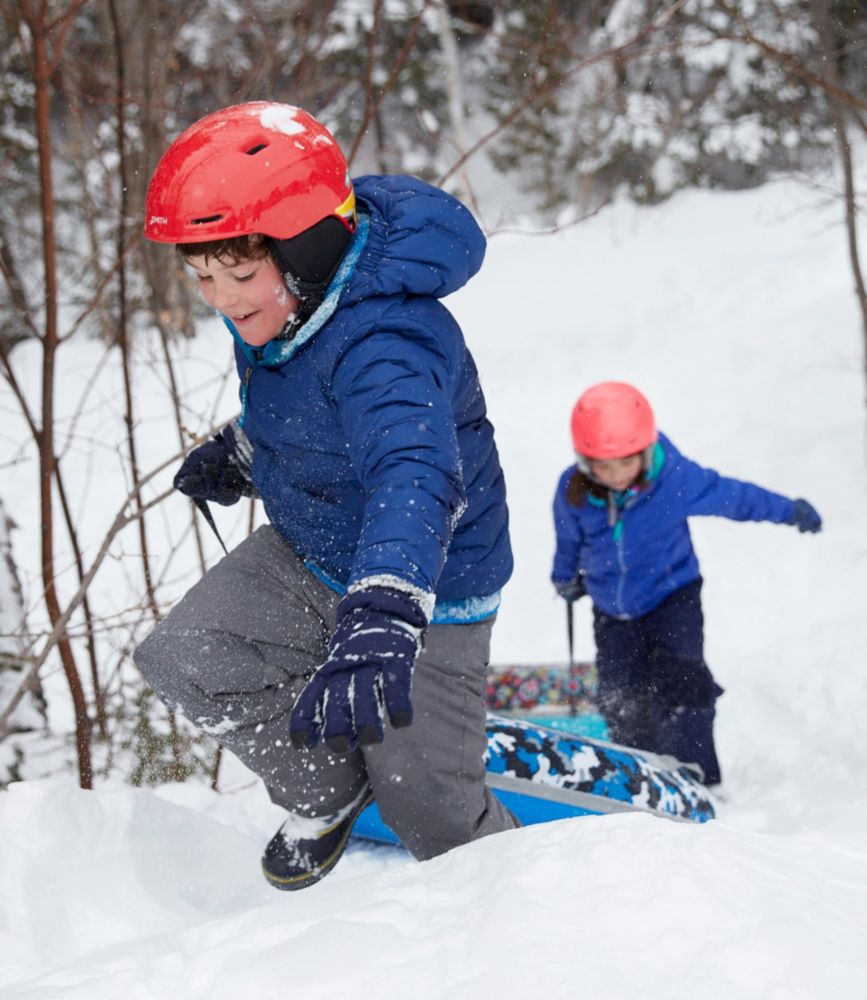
<point>580,486</point>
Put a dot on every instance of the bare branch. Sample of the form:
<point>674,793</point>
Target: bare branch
<point>121,520</point>
<point>18,392</point>
<point>63,21</point>
<point>15,285</point>
<point>550,230</point>
<point>102,288</point>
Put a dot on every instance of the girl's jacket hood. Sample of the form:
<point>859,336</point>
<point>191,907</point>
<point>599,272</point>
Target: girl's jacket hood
<point>423,241</point>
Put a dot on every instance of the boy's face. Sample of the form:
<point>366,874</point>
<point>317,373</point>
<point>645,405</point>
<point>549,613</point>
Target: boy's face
<point>251,293</point>
<point>616,473</point>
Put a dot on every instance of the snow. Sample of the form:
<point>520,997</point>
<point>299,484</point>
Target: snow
<point>734,313</point>
<point>279,118</point>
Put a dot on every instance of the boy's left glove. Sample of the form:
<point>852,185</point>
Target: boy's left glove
<point>219,469</point>
<point>368,671</point>
<point>805,517</point>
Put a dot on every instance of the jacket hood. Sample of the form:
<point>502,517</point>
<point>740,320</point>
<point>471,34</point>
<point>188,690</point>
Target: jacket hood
<point>412,239</point>
<point>421,240</point>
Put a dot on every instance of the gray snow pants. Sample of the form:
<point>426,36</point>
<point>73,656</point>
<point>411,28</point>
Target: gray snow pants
<point>235,653</point>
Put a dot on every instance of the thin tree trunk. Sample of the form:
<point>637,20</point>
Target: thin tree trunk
<point>850,201</point>
<point>454,89</point>
<point>99,706</point>
<point>99,694</point>
<point>122,325</point>
<point>822,17</point>
<point>179,423</point>
<point>42,78</point>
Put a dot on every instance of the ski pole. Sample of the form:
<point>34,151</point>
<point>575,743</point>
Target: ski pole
<point>570,634</point>
<point>209,517</point>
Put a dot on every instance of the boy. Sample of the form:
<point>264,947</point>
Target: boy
<point>620,517</point>
<point>341,650</point>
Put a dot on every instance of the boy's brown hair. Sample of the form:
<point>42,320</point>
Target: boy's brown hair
<point>251,246</point>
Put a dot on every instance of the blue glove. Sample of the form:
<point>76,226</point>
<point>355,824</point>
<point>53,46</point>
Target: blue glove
<point>805,517</point>
<point>571,590</point>
<point>212,472</point>
<point>368,671</point>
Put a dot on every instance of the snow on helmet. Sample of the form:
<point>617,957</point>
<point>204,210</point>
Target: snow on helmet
<point>612,420</point>
<point>259,167</point>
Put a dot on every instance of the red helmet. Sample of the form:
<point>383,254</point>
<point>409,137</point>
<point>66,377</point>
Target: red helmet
<point>251,168</point>
<point>612,420</point>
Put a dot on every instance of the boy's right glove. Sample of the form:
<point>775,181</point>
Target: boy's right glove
<point>805,517</point>
<point>368,672</point>
<point>571,590</point>
<point>213,471</point>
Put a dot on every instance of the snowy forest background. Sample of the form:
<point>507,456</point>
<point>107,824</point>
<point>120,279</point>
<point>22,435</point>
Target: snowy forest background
<point>539,114</point>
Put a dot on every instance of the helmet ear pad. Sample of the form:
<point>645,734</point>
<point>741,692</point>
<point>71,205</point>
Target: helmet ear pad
<point>310,260</point>
<point>647,457</point>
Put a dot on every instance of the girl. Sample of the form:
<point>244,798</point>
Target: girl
<point>620,517</point>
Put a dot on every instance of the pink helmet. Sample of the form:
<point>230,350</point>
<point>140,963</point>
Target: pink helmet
<point>612,420</point>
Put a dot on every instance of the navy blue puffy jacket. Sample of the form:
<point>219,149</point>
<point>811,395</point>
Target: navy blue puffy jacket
<point>631,567</point>
<point>372,451</point>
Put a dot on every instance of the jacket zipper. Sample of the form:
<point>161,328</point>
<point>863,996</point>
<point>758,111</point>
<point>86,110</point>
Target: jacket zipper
<point>621,583</point>
<point>244,390</point>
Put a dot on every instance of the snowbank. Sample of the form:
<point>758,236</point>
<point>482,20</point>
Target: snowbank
<point>734,313</point>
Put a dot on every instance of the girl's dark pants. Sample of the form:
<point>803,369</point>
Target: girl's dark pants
<point>655,690</point>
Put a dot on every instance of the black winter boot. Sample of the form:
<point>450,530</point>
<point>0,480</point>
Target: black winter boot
<point>687,733</point>
<point>306,848</point>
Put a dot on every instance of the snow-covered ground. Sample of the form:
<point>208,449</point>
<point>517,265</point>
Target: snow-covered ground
<point>735,314</point>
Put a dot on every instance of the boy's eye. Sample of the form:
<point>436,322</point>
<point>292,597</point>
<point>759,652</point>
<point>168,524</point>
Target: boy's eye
<point>204,277</point>
<point>245,277</point>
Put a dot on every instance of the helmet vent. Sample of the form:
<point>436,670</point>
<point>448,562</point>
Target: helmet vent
<point>253,150</point>
<point>205,220</point>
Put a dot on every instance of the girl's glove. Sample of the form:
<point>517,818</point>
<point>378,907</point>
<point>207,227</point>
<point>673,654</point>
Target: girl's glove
<point>368,671</point>
<point>571,590</point>
<point>215,471</point>
<point>805,517</point>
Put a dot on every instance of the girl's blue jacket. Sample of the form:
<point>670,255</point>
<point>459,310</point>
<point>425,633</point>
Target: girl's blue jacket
<point>372,451</point>
<point>630,567</point>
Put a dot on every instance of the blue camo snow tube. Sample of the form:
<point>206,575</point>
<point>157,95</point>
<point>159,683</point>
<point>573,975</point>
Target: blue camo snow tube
<point>542,774</point>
